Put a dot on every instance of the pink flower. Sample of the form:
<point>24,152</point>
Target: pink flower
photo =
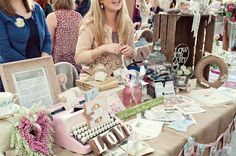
<point>232,19</point>
<point>231,8</point>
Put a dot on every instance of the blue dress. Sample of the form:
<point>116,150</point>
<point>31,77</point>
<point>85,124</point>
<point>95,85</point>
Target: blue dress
<point>33,48</point>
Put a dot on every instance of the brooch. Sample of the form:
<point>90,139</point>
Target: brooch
<point>20,22</point>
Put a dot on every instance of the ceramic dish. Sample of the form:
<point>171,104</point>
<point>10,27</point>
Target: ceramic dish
<point>8,110</point>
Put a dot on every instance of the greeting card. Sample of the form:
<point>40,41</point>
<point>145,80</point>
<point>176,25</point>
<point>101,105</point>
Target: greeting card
<point>114,103</point>
<point>95,112</point>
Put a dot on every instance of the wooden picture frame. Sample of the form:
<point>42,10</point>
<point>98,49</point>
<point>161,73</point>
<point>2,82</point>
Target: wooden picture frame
<point>33,80</point>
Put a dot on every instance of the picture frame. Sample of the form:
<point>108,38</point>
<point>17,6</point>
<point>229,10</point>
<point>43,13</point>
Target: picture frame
<point>33,80</point>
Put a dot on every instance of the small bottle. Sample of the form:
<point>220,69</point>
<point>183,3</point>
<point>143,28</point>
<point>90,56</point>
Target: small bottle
<point>132,96</point>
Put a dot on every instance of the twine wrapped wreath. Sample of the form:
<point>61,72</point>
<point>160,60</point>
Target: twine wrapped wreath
<point>203,63</point>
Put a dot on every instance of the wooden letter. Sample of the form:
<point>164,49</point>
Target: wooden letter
<point>119,133</point>
<point>97,145</point>
<point>127,130</point>
<point>110,139</point>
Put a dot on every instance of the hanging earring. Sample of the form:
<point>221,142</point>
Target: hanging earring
<point>102,6</point>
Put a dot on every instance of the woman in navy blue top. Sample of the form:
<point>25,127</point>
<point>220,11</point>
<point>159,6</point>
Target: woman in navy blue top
<point>23,31</point>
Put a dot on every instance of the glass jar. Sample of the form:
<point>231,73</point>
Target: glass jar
<point>132,96</point>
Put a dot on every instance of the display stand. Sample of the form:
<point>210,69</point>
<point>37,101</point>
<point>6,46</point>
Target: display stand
<point>177,29</point>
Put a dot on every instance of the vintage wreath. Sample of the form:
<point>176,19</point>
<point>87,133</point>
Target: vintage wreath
<point>203,63</point>
<point>32,132</point>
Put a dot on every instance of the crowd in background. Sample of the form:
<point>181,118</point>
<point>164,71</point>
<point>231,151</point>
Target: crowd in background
<point>76,31</point>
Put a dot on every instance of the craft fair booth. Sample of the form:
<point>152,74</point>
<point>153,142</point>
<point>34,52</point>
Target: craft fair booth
<point>212,131</point>
<point>174,30</point>
<point>162,109</point>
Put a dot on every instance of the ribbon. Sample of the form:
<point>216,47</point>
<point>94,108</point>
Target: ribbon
<point>200,149</point>
<point>225,137</point>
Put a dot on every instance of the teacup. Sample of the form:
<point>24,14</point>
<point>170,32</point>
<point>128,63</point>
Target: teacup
<point>7,98</point>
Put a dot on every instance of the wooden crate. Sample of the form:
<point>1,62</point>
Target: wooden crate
<point>176,29</point>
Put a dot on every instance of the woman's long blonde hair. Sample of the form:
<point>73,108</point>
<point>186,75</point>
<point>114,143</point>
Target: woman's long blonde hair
<point>95,19</point>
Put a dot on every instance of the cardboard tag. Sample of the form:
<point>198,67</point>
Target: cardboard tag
<point>91,94</point>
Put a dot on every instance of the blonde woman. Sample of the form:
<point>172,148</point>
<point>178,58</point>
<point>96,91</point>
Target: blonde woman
<point>106,33</point>
<point>63,25</point>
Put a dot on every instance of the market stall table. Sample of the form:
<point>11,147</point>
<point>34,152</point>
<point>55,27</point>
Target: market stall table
<point>170,143</point>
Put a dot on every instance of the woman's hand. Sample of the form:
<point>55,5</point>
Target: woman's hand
<point>127,51</point>
<point>113,48</point>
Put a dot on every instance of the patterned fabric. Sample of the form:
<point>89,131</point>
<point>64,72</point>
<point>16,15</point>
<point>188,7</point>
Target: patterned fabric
<point>115,37</point>
<point>109,60</point>
<point>66,36</point>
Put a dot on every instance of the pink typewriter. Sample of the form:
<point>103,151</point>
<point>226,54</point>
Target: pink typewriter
<point>64,124</point>
<point>75,133</point>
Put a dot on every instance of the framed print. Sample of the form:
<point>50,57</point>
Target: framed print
<point>33,80</point>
